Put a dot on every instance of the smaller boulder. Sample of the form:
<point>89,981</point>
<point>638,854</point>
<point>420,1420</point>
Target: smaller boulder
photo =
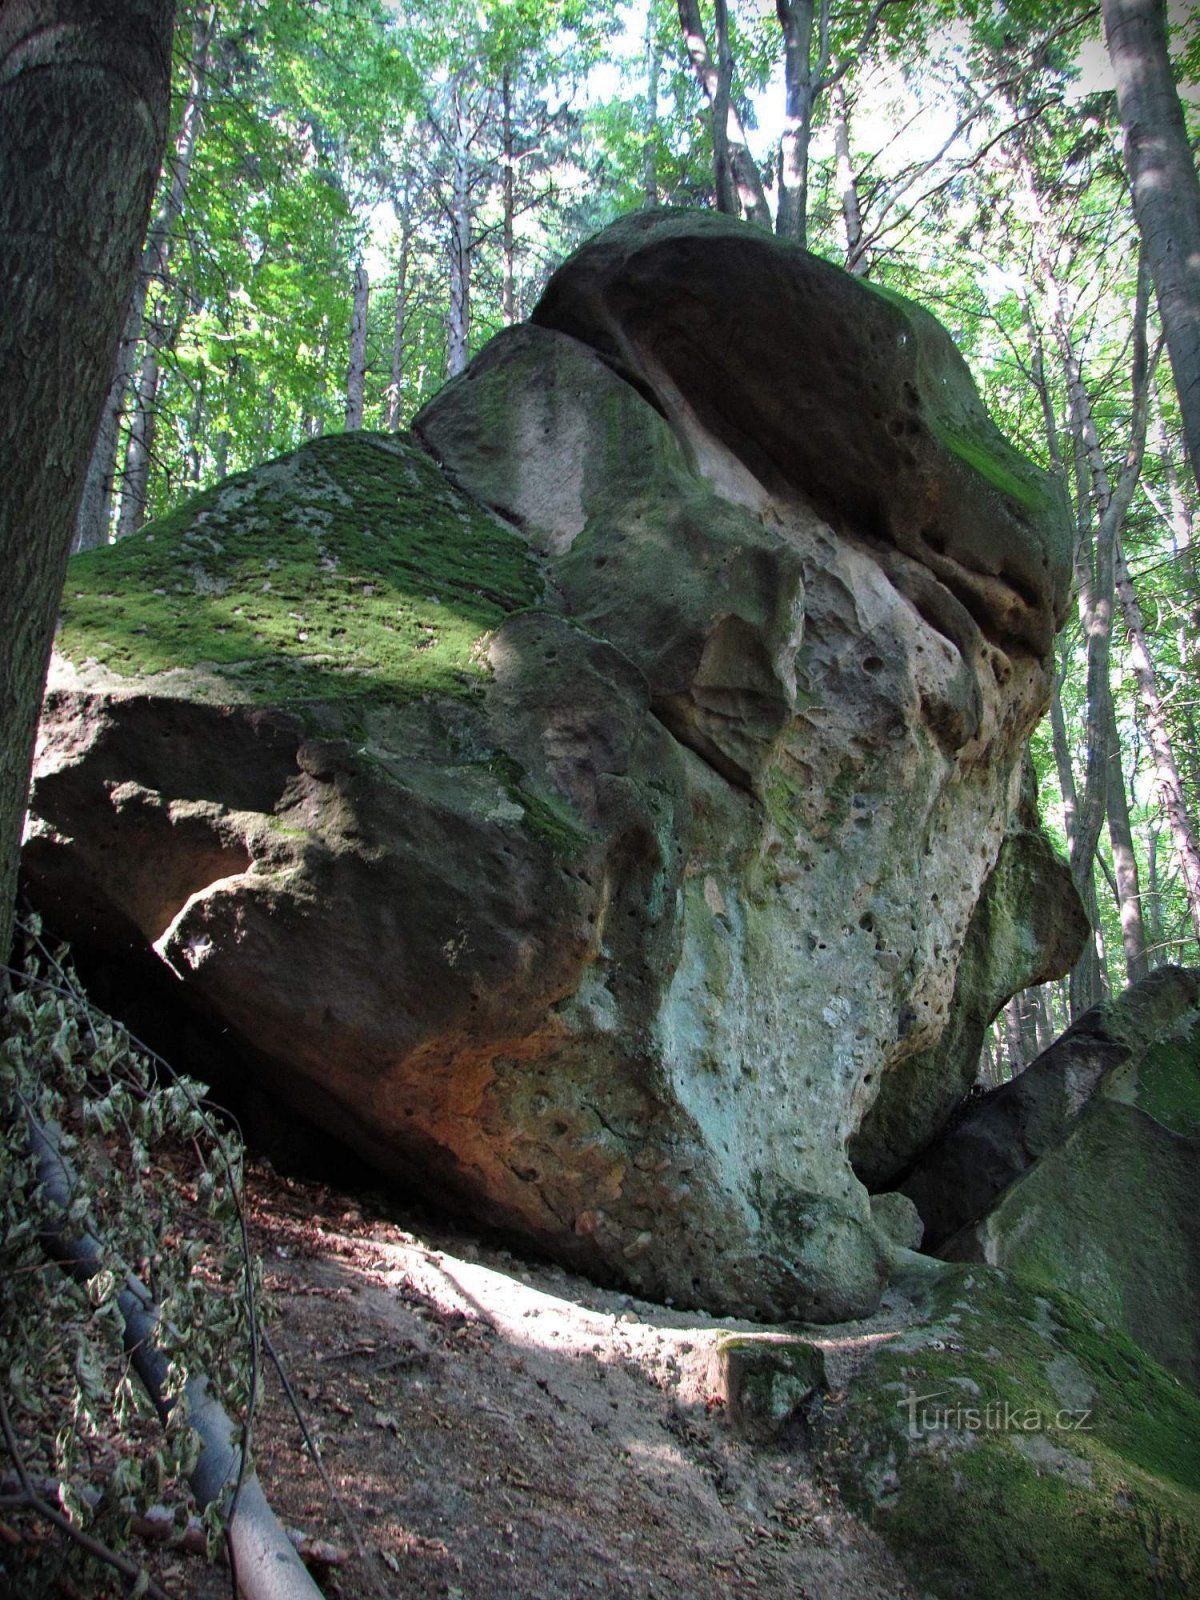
<point>1000,1135</point>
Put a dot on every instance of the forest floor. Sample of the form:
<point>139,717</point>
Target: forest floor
<point>499,1427</point>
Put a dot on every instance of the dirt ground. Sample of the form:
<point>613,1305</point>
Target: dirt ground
<point>499,1427</point>
<point>496,1427</point>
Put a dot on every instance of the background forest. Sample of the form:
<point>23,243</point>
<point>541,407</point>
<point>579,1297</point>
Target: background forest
<point>357,195</point>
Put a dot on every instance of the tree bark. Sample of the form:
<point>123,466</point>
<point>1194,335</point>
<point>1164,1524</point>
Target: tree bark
<point>726,187</point>
<point>135,481</point>
<point>1166,190</point>
<point>653,50</point>
<point>459,331</point>
<point>83,119</point>
<point>396,386</point>
<point>856,257</point>
<point>801,87</point>
<point>95,509</point>
<point>1125,867</point>
<point>356,371</point>
<point>508,249</point>
<point>1158,736</point>
<point>746,176</point>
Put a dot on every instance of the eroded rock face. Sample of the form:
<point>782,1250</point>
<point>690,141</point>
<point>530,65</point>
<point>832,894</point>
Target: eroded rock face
<point>736,611</point>
<point>1081,1173</point>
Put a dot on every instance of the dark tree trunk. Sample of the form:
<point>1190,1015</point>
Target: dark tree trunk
<point>83,119</point>
<point>92,521</point>
<point>1166,190</point>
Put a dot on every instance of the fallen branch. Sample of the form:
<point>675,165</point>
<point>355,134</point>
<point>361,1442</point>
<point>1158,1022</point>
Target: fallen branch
<point>157,1525</point>
<point>266,1563</point>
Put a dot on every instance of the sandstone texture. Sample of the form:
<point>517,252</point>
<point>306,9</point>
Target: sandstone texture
<point>582,807</point>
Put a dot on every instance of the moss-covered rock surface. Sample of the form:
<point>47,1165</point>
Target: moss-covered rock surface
<point>1008,1442</point>
<point>350,568</point>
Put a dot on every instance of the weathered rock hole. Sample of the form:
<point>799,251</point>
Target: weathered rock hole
<point>873,664</point>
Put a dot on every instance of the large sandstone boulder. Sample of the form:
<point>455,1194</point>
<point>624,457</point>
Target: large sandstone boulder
<point>586,830</point>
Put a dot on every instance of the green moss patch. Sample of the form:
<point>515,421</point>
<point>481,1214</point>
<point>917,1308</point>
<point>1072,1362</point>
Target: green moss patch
<point>348,568</point>
<point>1012,1444</point>
<point>993,460</point>
<point>1168,1085</point>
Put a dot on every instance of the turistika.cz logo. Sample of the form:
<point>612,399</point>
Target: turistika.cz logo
<point>997,1416</point>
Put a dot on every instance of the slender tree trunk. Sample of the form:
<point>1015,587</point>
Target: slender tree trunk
<point>1043,1018</point>
<point>356,372</point>
<point>1166,190</point>
<point>747,178</point>
<point>1101,510</point>
<point>856,260</point>
<point>1158,736</point>
<point>396,387</point>
<point>267,431</point>
<point>1014,1044</point>
<point>1154,916</point>
<point>196,434</point>
<point>801,88</point>
<point>653,51</point>
<point>1125,867</point>
<point>135,481</point>
<point>508,302</point>
<point>83,119</point>
<point>726,186</point>
<point>459,333</point>
<point>95,509</point>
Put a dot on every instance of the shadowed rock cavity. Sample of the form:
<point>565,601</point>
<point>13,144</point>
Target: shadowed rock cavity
<point>613,936</point>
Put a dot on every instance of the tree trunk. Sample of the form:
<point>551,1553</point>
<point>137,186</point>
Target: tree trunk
<point>95,509</point>
<point>856,259</point>
<point>1125,867</point>
<point>1154,916</point>
<point>726,188</point>
<point>508,302</point>
<point>459,332</point>
<point>1158,736</point>
<point>1014,1043</point>
<point>83,120</point>
<point>1166,190</point>
<point>396,386</point>
<point>135,481</point>
<point>356,372</point>
<point>747,179</point>
<point>800,94</point>
<point>654,58</point>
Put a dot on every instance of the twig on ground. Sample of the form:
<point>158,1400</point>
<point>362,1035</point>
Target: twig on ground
<point>33,1501</point>
<point>310,1445</point>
